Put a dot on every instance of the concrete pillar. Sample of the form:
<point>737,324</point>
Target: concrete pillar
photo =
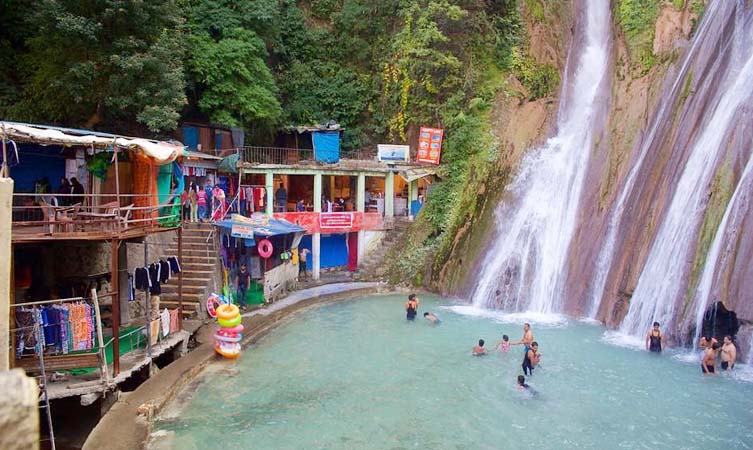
<point>318,192</point>
<point>361,207</point>
<point>125,307</point>
<point>6,203</point>
<point>389,195</point>
<point>19,411</point>
<point>269,185</point>
<point>412,195</point>
<point>361,193</point>
<point>316,253</point>
<point>332,188</point>
<point>316,237</point>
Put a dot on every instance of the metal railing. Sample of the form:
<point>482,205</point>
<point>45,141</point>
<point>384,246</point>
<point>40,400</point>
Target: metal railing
<point>67,214</point>
<point>292,156</point>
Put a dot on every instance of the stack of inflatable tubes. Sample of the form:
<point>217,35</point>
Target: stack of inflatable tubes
<point>227,338</point>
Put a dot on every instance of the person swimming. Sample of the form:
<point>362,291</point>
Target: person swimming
<point>531,359</point>
<point>708,365</point>
<point>431,317</point>
<point>504,344</point>
<point>479,350</point>
<point>411,307</point>
<point>655,339</point>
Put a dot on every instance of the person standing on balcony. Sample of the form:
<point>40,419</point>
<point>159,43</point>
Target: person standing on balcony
<point>249,200</point>
<point>218,202</point>
<point>78,190</point>
<point>65,190</point>
<point>281,198</point>
<point>326,204</point>
<point>201,202</point>
<point>208,207</point>
<point>193,204</point>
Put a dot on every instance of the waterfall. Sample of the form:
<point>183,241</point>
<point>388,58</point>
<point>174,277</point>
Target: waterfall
<point>661,281</point>
<point>606,254</point>
<point>526,265</point>
<point>735,211</point>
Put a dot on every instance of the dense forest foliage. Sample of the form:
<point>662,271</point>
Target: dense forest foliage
<point>381,68</point>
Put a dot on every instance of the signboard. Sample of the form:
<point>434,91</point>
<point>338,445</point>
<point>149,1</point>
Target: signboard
<point>328,221</point>
<point>429,145</point>
<point>388,152</point>
<point>242,231</point>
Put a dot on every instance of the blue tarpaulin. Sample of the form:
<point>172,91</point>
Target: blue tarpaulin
<point>326,146</point>
<point>273,227</point>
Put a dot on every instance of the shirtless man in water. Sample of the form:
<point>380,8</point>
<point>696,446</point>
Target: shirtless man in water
<point>708,365</point>
<point>729,354</point>
<point>527,337</point>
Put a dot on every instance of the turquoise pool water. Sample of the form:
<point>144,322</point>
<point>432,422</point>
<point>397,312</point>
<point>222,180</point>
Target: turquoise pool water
<point>356,375</point>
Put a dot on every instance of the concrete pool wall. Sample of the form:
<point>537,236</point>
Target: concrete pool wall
<point>128,424</point>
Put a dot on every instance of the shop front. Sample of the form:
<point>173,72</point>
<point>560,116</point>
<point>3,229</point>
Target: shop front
<point>265,248</point>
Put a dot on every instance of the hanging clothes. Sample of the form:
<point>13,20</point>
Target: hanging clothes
<point>153,331</point>
<point>164,273</point>
<point>154,278</point>
<point>174,264</point>
<point>174,322</point>
<point>165,322</point>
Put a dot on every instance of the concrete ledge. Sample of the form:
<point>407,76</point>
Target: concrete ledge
<point>129,422</point>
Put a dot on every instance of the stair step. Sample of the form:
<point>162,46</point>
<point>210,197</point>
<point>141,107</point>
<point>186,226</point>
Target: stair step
<point>191,305</point>
<point>174,288</point>
<point>187,266</point>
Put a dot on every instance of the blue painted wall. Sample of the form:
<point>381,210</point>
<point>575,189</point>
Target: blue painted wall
<point>37,163</point>
<point>334,250</point>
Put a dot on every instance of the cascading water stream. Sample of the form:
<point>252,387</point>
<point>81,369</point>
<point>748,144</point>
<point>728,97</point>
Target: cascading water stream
<point>656,295</point>
<point>606,254</point>
<point>734,212</point>
<point>533,234</point>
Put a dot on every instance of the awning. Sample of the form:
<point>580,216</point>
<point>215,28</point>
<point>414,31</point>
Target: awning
<point>162,152</point>
<point>229,163</point>
<point>258,226</point>
<point>410,175</point>
<point>200,160</point>
<point>200,155</point>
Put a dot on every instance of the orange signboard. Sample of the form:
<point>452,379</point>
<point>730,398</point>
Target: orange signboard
<point>429,145</point>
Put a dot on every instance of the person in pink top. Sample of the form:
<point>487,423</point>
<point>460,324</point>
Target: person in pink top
<point>201,201</point>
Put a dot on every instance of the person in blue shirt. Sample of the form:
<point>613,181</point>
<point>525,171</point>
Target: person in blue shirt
<point>281,199</point>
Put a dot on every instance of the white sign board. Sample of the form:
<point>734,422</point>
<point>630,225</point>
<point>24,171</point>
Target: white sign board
<point>389,152</point>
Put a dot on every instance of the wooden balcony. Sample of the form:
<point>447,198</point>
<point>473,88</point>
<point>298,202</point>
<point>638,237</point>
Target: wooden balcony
<point>89,217</point>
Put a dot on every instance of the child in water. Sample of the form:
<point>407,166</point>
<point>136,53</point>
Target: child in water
<point>504,344</point>
<point>479,350</point>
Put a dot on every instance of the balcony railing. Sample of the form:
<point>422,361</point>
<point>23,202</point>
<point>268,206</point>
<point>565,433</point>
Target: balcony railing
<point>293,156</point>
<point>72,216</point>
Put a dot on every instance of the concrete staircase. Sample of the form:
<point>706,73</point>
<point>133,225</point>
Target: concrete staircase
<point>373,267</point>
<point>199,265</point>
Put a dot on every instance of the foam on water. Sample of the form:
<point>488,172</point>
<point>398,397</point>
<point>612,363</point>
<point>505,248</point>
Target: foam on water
<point>532,317</point>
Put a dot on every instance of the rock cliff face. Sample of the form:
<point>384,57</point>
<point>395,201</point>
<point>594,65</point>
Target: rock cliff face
<point>660,112</point>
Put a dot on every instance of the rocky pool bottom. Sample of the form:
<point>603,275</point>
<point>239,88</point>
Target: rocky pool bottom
<point>357,375</point>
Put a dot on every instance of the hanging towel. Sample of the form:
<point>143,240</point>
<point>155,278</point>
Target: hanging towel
<point>165,322</point>
<point>174,323</point>
<point>153,331</point>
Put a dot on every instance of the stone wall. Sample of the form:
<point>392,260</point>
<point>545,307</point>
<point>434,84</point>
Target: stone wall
<point>19,416</point>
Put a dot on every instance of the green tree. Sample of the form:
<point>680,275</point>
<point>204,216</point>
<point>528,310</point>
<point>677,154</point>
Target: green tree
<point>231,81</point>
<point>103,63</point>
<point>235,85</point>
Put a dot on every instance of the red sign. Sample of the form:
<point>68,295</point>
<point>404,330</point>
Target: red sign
<point>312,223</point>
<point>329,221</point>
<point>429,145</point>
